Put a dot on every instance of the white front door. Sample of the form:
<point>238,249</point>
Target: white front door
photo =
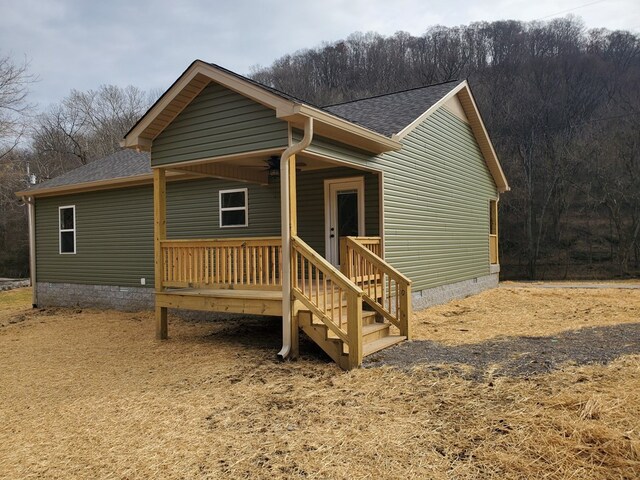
<point>343,213</point>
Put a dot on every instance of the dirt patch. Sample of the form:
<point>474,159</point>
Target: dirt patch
<point>517,356</point>
<point>91,394</point>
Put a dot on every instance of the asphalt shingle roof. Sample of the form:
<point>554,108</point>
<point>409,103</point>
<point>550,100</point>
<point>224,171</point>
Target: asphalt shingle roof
<point>385,114</point>
<point>125,163</point>
<point>389,114</point>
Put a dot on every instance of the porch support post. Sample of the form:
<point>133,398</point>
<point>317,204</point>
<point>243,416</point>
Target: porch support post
<point>159,234</point>
<point>293,229</point>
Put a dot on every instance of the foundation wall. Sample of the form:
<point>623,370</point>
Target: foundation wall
<point>446,293</point>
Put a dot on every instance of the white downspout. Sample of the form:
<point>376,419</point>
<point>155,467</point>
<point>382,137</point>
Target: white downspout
<point>285,229</point>
<point>30,201</point>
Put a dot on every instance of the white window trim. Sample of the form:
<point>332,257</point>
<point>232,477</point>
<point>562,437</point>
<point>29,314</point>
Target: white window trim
<point>61,230</point>
<point>231,209</point>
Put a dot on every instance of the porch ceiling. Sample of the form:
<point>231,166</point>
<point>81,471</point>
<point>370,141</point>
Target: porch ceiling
<point>253,169</point>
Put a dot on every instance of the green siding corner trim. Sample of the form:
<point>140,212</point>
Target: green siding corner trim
<point>218,122</point>
<point>436,195</point>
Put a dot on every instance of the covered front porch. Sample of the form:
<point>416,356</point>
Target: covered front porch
<point>339,290</point>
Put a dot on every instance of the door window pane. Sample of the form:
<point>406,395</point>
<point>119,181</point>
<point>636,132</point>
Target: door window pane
<point>348,213</point>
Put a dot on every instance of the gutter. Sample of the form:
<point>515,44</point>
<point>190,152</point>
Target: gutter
<point>285,228</point>
<point>30,201</point>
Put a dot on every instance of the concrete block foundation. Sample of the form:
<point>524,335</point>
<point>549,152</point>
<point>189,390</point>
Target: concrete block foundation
<point>128,299</point>
<point>445,293</point>
<point>131,299</point>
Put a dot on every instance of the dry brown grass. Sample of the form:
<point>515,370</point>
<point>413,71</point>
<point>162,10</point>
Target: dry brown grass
<point>525,312</point>
<point>92,395</point>
<point>13,302</point>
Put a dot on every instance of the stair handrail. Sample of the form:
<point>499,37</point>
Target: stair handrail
<point>302,289</point>
<point>361,265</point>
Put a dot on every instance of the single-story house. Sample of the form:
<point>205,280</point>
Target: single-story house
<point>231,196</point>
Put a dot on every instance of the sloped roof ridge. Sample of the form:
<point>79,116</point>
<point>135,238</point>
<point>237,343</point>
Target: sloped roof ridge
<point>274,90</point>
<point>391,93</point>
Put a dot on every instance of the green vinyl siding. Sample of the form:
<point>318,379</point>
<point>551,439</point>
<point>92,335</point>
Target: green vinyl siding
<point>436,200</point>
<point>339,151</point>
<point>436,193</point>
<point>114,228</point>
<point>114,238</point>
<point>218,122</point>
<point>193,210</point>
<point>311,221</point>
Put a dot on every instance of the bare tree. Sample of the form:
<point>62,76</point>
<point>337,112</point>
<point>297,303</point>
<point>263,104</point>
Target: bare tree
<point>86,126</point>
<point>14,88</point>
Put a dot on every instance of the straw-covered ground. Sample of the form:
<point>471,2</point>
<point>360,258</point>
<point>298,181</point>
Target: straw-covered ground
<point>91,394</point>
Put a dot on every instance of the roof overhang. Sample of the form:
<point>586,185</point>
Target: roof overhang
<point>107,184</point>
<point>199,74</point>
<point>463,92</point>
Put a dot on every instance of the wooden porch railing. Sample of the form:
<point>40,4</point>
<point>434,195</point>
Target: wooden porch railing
<point>493,248</point>
<point>322,288</point>
<point>373,244</point>
<point>384,288</point>
<point>223,263</point>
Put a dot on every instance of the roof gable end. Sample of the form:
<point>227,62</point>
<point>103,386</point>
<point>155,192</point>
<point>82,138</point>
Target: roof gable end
<point>199,74</point>
<point>465,97</point>
<point>186,88</point>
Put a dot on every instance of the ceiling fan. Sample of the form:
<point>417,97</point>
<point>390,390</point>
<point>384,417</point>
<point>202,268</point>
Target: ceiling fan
<point>273,166</point>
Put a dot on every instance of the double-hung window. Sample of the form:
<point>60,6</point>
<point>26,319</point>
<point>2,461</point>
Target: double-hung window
<point>67,227</point>
<point>234,208</point>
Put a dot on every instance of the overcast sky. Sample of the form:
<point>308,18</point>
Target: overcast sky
<point>82,44</point>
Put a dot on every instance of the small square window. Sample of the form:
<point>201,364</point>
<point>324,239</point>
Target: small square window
<point>67,228</point>
<point>234,208</point>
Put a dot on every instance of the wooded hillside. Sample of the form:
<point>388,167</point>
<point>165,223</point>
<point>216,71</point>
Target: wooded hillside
<point>562,106</point>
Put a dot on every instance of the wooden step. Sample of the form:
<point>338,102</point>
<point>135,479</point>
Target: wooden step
<point>374,331</point>
<point>370,332</point>
<point>368,318</point>
<point>381,344</point>
<point>375,336</point>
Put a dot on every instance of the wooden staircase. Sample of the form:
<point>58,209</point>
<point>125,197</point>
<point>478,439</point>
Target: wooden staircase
<point>376,335</point>
<point>351,313</point>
